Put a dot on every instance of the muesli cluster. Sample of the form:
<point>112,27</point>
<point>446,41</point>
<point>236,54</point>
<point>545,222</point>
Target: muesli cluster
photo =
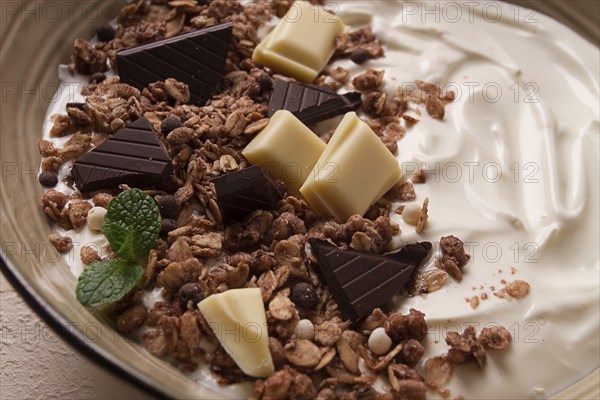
<point>315,349</point>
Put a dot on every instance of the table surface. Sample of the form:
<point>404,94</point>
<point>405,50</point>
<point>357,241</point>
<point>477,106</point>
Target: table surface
<point>37,364</point>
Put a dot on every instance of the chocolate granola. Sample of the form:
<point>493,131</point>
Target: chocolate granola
<point>265,249</point>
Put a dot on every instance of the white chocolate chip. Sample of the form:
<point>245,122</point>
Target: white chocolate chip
<point>305,329</point>
<point>379,342</point>
<point>95,218</point>
<point>411,213</point>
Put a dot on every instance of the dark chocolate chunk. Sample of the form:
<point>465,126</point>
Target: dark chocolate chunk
<point>195,58</point>
<point>359,56</point>
<point>411,253</point>
<point>169,124</point>
<point>361,281</point>
<point>98,77</point>
<point>190,292</point>
<point>105,33</point>
<point>48,179</point>
<point>311,103</point>
<point>167,225</point>
<point>133,156</point>
<point>241,192</point>
<point>304,295</point>
<point>169,206</point>
<point>80,106</point>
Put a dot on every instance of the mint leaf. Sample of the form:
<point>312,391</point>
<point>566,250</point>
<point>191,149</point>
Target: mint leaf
<point>105,282</point>
<point>131,224</point>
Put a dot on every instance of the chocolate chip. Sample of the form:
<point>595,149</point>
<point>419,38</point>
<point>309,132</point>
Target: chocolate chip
<point>80,106</point>
<point>169,207</point>
<point>359,56</point>
<point>190,292</point>
<point>167,225</point>
<point>304,295</point>
<point>169,124</point>
<point>48,179</point>
<point>105,33</point>
<point>265,82</point>
<point>98,77</point>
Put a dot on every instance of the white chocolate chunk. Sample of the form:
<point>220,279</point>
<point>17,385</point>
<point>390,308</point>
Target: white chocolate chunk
<point>95,218</point>
<point>237,317</point>
<point>302,42</point>
<point>379,342</point>
<point>305,330</point>
<point>286,149</point>
<point>411,213</point>
<point>353,172</point>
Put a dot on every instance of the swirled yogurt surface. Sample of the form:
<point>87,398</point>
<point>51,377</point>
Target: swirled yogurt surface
<point>512,170</point>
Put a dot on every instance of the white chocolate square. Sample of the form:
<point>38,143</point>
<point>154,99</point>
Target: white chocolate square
<point>353,172</point>
<point>238,319</point>
<point>286,149</point>
<point>302,43</point>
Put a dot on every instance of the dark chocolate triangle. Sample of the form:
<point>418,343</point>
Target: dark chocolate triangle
<point>133,156</point>
<point>242,192</point>
<point>310,103</point>
<point>361,281</point>
<point>195,58</point>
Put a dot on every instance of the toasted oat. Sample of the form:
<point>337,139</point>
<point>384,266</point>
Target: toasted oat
<point>282,308</point>
<point>474,302</point>
<point>327,333</point>
<point>302,353</point>
<point>517,288</point>
<point>423,217</point>
<point>438,372</point>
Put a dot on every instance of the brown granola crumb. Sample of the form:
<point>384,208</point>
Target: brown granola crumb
<point>453,257</point>
<point>465,347</point>
<point>102,199</point>
<point>78,211</point>
<point>132,319</point>
<point>368,80</point>
<point>62,243</point>
<point>88,255</point>
<point>517,288</point>
<point>406,383</point>
<point>363,39</point>
<point>496,338</point>
<point>419,177</point>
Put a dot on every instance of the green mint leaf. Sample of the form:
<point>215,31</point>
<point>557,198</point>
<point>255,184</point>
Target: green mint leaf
<point>132,224</point>
<point>105,282</point>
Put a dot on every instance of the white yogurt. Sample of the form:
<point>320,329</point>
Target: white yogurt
<point>513,170</point>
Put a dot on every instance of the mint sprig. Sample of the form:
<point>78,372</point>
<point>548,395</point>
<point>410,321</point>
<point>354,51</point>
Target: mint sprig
<point>105,282</point>
<point>131,226</point>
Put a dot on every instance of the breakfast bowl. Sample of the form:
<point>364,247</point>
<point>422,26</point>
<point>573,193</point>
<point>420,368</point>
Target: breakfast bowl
<point>37,37</point>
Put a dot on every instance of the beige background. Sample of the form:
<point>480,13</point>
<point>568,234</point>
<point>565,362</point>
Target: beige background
<point>36,364</point>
